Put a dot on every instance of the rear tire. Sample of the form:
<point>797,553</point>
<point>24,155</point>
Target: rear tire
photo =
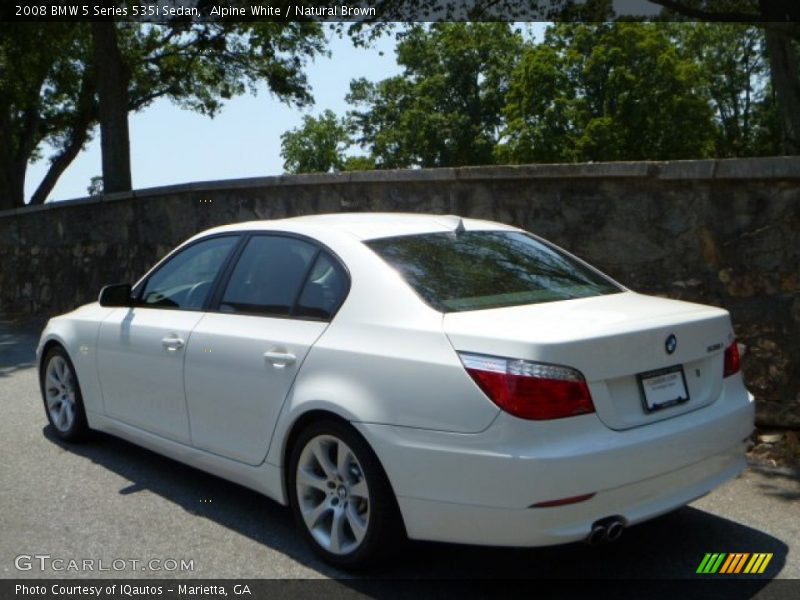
<point>61,394</point>
<point>340,496</point>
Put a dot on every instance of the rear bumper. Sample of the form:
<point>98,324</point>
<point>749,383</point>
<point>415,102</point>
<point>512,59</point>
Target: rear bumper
<point>637,502</point>
<point>479,488</point>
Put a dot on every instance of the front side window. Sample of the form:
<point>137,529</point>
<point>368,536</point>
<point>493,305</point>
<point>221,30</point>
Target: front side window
<point>268,276</point>
<point>185,280</point>
<point>475,270</point>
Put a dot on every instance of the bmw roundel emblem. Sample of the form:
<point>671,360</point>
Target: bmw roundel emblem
<point>671,343</point>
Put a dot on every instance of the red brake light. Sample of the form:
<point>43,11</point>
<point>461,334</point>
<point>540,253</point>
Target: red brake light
<point>530,390</point>
<point>733,362</point>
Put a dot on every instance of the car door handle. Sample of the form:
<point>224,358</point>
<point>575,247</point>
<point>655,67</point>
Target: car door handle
<point>172,343</point>
<point>279,359</point>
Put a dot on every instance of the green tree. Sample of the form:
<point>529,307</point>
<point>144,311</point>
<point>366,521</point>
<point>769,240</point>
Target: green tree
<point>779,19</point>
<point>767,135</point>
<point>735,76</point>
<point>611,91</point>
<point>358,163</point>
<point>780,22</point>
<point>47,95</point>
<point>51,75</point>
<point>197,64</point>
<point>445,109</point>
<point>317,146</point>
<point>95,187</point>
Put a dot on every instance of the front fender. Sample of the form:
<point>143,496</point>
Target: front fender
<point>77,332</point>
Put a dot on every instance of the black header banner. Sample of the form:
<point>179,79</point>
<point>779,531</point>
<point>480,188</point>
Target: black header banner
<point>335,589</point>
<point>383,11</point>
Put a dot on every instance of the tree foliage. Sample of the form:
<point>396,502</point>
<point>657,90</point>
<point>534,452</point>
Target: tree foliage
<point>46,96</point>
<point>615,91</point>
<point>778,19</point>
<point>734,75</point>
<point>587,92</point>
<point>445,109</point>
<point>780,22</point>
<point>49,77</point>
<point>317,146</point>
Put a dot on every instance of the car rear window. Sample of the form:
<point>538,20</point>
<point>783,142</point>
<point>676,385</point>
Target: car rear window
<point>472,270</point>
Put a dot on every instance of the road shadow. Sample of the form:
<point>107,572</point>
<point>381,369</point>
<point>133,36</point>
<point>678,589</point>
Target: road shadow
<point>17,347</point>
<point>776,474</point>
<point>666,549</point>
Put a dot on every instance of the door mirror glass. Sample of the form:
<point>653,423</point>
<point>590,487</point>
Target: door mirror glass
<point>118,294</point>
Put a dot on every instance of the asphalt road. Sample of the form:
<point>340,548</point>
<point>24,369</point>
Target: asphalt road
<point>109,500</point>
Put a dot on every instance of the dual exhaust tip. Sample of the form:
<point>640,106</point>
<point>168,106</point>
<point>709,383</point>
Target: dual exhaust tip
<point>606,530</point>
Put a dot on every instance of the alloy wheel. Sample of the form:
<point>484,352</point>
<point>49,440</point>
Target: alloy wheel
<point>333,495</point>
<point>60,393</point>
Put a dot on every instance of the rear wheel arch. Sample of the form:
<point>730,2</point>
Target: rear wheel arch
<point>313,416</point>
<point>297,427</point>
<point>301,423</point>
<point>389,522</point>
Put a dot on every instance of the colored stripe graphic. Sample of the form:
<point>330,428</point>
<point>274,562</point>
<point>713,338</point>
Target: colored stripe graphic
<point>727,564</point>
<point>734,563</point>
<point>758,563</point>
<point>711,562</point>
<point>741,562</point>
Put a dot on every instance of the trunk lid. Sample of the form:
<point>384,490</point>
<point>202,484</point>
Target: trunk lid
<point>612,340</point>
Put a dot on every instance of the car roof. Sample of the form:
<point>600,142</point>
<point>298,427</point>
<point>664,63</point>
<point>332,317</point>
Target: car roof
<point>367,226</point>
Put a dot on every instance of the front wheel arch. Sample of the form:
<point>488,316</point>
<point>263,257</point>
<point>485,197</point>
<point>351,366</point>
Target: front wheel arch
<point>79,429</point>
<point>48,346</point>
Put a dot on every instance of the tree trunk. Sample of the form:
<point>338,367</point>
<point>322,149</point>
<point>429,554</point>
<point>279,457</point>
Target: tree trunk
<point>12,183</point>
<point>112,93</point>
<point>58,165</point>
<point>785,80</point>
<point>86,114</point>
<point>10,195</point>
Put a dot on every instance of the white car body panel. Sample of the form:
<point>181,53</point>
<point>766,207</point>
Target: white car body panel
<point>234,393</point>
<point>264,478</point>
<point>77,332</point>
<point>608,339</point>
<point>142,378</point>
<point>463,470</point>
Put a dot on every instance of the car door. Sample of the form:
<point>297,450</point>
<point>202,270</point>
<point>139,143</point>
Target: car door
<point>243,357</point>
<point>141,349</point>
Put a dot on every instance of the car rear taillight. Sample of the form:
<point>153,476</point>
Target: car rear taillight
<point>530,390</point>
<point>733,362</point>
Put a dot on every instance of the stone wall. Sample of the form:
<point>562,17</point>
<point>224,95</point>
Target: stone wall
<point>721,232</point>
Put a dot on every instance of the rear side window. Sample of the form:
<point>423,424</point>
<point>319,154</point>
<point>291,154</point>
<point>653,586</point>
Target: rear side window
<point>475,270</point>
<point>268,276</point>
<point>285,276</point>
<point>325,289</point>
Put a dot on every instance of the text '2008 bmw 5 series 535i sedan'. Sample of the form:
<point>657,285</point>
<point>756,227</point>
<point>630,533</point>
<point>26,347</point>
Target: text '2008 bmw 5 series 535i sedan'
<point>391,375</point>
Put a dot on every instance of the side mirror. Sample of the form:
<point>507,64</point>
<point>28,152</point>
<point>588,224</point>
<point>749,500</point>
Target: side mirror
<point>118,294</point>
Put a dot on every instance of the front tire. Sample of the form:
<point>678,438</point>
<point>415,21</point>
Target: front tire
<point>340,496</point>
<point>62,398</point>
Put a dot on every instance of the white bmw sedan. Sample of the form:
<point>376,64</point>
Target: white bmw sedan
<point>391,375</point>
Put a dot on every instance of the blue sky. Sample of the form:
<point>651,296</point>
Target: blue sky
<point>171,145</point>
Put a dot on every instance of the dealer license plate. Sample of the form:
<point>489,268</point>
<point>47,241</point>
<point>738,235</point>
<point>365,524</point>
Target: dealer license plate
<point>663,388</point>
